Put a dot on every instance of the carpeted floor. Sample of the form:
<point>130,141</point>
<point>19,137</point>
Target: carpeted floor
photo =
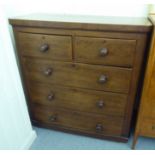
<point>55,140</point>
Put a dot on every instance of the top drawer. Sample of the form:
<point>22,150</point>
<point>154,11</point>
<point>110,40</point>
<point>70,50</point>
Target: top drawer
<point>117,52</point>
<point>45,46</point>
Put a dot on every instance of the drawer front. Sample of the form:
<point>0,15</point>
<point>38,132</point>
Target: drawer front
<point>148,128</point>
<point>78,99</point>
<point>45,46</point>
<point>79,75</point>
<point>105,51</point>
<point>78,121</point>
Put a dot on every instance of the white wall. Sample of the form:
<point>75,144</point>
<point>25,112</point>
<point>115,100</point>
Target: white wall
<point>15,128</point>
<point>152,8</point>
<point>89,7</point>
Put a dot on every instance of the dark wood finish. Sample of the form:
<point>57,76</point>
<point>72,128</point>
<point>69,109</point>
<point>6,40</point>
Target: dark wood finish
<point>79,121</point>
<point>81,33</point>
<point>105,51</point>
<point>84,133</point>
<point>78,99</point>
<point>82,81</point>
<point>146,116</point>
<point>45,46</point>
<point>136,73</point>
<point>79,75</point>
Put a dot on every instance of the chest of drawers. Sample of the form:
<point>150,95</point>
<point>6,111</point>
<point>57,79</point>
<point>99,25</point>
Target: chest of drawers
<point>80,74</point>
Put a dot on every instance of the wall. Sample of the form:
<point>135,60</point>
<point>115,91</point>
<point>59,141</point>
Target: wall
<point>15,128</point>
<point>152,8</point>
<point>89,7</point>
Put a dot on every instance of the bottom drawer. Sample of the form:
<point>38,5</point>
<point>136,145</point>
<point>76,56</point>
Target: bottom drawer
<point>78,121</point>
<point>148,128</point>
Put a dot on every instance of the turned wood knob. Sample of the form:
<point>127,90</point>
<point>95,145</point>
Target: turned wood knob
<point>53,118</point>
<point>50,97</point>
<point>103,52</point>
<point>44,47</point>
<point>48,71</point>
<point>102,79</point>
<point>99,127</point>
<point>100,103</point>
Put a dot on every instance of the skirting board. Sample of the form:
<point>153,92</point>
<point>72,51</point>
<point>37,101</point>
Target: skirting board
<point>28,142</point>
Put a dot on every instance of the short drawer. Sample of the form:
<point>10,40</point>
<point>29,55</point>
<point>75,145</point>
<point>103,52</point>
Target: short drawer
<point>147,127</point>
<point>45,46</point>
<point>96,77</point>
<point>78,121</point>
<point>99,102</point>
<point>117,52</point>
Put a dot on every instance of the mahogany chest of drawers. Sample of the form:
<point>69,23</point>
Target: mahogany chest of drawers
<point>80,74</point>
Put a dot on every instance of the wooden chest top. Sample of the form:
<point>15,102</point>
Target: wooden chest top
<point>121,24</point>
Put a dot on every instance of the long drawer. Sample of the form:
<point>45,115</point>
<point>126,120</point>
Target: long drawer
<point>97,124</point>
<point>45,46</point>
<point>78,99</point>
<point>97,77</point>
<point>116,52</point>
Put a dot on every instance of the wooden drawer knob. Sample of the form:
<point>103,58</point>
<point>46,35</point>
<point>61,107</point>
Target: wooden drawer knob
<point>100,104</point>
<point>103,52</point>
<point>102,79</point>
<point>48,71</point>
<point>99,127</point>
<point>50,97</point>
<point>53,118</point>
<point>44,48</point>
